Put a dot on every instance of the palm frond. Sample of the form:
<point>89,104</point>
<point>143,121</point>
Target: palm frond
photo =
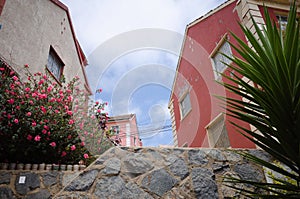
<point>272,63</point>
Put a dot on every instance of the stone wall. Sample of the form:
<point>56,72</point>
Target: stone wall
<point>35,185</point>
<point>162,173</point>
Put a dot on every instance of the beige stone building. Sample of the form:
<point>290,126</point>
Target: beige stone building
<point>40,33</point>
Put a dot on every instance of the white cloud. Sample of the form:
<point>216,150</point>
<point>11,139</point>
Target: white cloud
<point>97,21</point>
<point>111,30</point>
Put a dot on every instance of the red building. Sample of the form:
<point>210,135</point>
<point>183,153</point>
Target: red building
<point>197,115</point>
<point>125,130</point>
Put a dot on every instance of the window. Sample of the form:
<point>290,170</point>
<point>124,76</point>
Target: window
<point>282,22</point>
<point>185,105</point>
<point>55,65</point>
<point>217,133</point>
<point>115,129</point>
<point>220,60</point>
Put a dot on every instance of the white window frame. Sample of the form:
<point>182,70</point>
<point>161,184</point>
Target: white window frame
<point>218,52</point>
<point>211,134</point>
<point>117,127</point>
<point>184,113</point>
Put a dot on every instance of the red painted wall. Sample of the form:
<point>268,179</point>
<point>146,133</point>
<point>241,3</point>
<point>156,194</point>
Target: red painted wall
<point>2,2</point>
<point>195,68</point>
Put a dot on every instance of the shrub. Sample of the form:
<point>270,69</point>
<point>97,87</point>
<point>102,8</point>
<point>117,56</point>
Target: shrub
<point>42,121</point>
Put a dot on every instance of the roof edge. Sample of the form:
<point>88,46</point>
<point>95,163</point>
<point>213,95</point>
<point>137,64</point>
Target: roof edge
<point>80,53</point>
<point>211,12</point>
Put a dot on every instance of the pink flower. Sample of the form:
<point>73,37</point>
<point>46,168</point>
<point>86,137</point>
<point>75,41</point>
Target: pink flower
<point>86,156</point>
<point>29,137</point>
<point>33,94</point>
<point>44,131</point>
<point>8,116</point>
<point>15,78</point>
<point>37,138</point>
<point>73,147</point>
<point>63,154</point>
<point>70,98</point>
<point>98,111</point>
<point>71,122</point>
<point>46,127</point>
<point>43,109</point>
<point>11,101</point>
<point>53,144</point>
<point>2,69</point>
<point>81,125</point>
<point>82,143</point>
<point>26,66</point>
<point>76,77</point>
<point>16,121</point>
<point>68,91</point>
<point>31,102</point>
<point>69,112</point>
<point>18,107</point>
<point>27,89</point>
<point>42,96</point>
<point>33,124</point>
<point>28,114</point>
<point>45,77</point>
<point>41,81</point>
<point>49,89</point>
<point>69,137</point>
<point>12,72</point>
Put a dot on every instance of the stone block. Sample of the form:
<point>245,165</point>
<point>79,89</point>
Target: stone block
<point>50,178</point>
<point>83,182</point>
<point>6,193</point>
<point>204,183</point>
<point>179,168</point>
<point>5,178</point>
<point>112,166</point>
<point>32,181</point>
<point>197,157</point>
<point>159,182</point>
<point>42,194</point>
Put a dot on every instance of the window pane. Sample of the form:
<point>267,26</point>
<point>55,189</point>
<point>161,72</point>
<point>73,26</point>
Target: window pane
<point>185,105</point>
<point>54,65</point>
<point>115,129</point>
<point>220,60</point>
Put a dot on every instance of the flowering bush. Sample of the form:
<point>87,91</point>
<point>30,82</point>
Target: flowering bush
<point>42,121</point>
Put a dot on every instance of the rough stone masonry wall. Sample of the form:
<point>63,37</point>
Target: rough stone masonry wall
<point>177,173</point>
<point>38,184</point>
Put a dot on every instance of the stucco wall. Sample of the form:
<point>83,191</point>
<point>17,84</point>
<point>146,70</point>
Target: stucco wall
<point>195,67</point>
<point>28,30</point>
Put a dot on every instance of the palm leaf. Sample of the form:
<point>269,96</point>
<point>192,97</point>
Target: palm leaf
<point>273,106</point>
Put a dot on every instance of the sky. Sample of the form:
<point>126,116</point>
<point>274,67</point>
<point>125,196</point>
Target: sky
<point>132,48</point>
